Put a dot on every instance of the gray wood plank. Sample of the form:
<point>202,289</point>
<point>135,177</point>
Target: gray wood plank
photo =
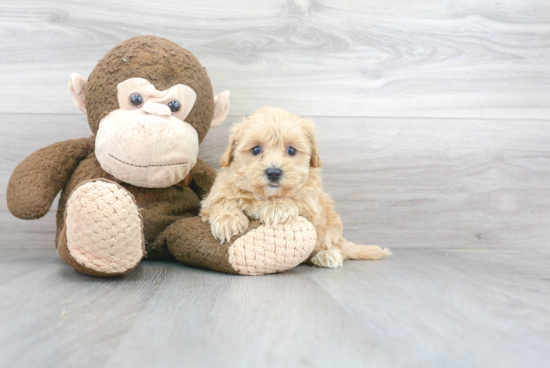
<point>19,234</point>
<point>16,262</point>
<point>274,321</point>
<point>451,308</point>
<point>59,317</point>
<point>482,59</point>
<point>419,183</point>
<point>418,308</point>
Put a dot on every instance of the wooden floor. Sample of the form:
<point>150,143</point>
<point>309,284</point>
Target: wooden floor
<point>433,123</point>
<point>418,308</point>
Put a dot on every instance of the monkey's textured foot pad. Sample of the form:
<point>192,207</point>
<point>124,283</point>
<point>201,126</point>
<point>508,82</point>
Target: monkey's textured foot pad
<point>273,249</point>
<point>104,228</point>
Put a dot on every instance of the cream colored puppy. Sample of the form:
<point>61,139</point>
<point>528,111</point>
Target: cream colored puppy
<point>272,172</point>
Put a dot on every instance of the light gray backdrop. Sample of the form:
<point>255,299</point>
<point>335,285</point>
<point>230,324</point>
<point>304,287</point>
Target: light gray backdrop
<point>432,119</point>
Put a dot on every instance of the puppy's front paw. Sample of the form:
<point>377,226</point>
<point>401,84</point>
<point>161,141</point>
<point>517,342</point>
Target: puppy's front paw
<point>328,258</point>
<point>226,225</point>
<point>274,213</point>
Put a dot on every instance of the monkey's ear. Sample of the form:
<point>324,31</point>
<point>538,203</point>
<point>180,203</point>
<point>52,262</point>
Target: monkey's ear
<point>77,86</point>
<point>221,109</point>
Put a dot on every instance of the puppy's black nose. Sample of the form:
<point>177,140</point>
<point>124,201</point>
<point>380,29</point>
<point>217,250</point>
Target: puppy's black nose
<point>274,174</point>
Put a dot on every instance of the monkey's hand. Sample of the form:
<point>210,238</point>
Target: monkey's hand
<point>227,220</point>
<point>274,212</point>
<point>36,181</point>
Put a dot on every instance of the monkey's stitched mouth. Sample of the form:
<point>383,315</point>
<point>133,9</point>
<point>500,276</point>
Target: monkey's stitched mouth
<point>127,163</point>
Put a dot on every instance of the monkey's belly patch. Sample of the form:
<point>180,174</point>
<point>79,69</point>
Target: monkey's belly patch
<point>127,163</point>
<point>273,249</point>
<point>104,228</point>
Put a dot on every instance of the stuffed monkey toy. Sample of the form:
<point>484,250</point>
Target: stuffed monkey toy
<point>133,189</point>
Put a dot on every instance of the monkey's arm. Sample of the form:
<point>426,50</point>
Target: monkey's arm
<point>37,179</point>
<point>203,178</point>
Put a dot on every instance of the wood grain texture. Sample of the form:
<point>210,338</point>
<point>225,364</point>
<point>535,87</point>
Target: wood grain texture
<point>475,59</point>
<point>418,308</point>
<point>419,175</point>
<point>18,262</point>
<point>421,183</point>
<point>454,300</point>
<point>433,183</point>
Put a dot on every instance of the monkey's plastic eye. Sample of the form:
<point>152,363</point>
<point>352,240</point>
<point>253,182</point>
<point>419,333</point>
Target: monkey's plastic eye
<point>291,151</point>
<point>174,106</point>
<point>256,150</point>
<point>136,99</point>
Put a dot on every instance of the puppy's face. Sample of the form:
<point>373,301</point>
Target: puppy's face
<point>272,152</point>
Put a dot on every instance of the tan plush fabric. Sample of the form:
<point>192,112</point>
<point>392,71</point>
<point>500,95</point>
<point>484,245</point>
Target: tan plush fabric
<point>77,87</point>
<point>273,249</point>
<point>184,94</point>
<point>146,150</point>
<point>260,250</point>
<point>221,108</point>
<point>103,228</point>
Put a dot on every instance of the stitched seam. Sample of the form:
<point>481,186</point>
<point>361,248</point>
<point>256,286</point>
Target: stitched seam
<point>127,163</point>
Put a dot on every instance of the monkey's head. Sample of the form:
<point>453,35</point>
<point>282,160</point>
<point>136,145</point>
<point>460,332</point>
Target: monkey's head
<point>149,104</point>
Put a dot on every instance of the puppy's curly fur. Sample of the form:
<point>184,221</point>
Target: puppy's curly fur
<point>274,139</point>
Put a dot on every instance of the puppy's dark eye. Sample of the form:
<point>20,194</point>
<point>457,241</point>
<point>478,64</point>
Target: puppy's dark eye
<point>174,106</point>
<point>256,150</point>
<point>136,99</point>
<point>291,151</point>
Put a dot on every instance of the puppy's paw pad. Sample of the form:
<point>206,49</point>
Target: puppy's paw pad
<point>227,225</point>
<point>274,214</point>
<point>328,258</point>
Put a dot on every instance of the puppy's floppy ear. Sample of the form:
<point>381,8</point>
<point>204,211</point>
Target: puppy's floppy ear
<point>315,160</point>
<point>227,157</point>
<point>228,154</point>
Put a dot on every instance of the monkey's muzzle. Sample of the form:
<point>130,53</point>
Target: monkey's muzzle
<point>146,150</point>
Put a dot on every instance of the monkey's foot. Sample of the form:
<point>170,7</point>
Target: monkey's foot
<point>103,233</point>
<point>260,250</point>
<point>269,249</point>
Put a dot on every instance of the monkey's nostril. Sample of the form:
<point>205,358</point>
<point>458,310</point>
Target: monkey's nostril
<point>274,174</point>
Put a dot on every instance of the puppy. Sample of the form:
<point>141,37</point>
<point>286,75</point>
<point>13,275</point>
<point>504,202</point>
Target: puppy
<point>271,171</point>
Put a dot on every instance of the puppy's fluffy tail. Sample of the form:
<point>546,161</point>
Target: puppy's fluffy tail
<point>353,251</point>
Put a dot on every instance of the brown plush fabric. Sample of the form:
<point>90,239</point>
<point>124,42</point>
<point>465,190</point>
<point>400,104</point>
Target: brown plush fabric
<point>170,227</point>
<point>160,207</point>
<point>161,62</point>
<point>203,178</point>
<point>191,242</point>
<point>164,64</point>
<point>36,181</point>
